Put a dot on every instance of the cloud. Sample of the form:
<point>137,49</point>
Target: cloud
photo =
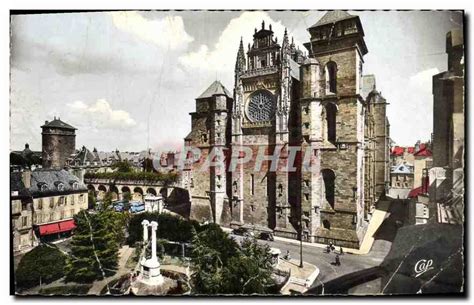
<point>101,115</point>
<point>423,80</point>
<point>222,55</point>
<point>167,32</point>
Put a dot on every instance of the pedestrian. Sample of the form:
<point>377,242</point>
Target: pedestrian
<point>328,248</point>
<point>287,256</point>
<point>331,246</point>
<point>341,251</point>
<point>338,260</point>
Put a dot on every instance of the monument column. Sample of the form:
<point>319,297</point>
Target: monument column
<point>154,227</point>
<point>145,224</point>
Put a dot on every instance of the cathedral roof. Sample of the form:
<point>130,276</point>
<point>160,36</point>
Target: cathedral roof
<point>216,88</point>
<point>57,123</point>
<point>333,17</point>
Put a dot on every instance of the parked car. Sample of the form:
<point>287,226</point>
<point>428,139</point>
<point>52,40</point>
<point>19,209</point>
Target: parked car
<point>266,236</point>
<point>242,232</point>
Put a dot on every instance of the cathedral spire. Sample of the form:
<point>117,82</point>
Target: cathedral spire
<point>240,62</point>
<point>285,44</point>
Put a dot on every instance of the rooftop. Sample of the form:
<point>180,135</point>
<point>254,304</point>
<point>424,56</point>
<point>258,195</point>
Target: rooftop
<point>333,17</point>
<point>216,88</point>
<point>57,123</point>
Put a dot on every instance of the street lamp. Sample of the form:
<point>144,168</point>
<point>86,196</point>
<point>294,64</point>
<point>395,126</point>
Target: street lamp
<point>301,237</point>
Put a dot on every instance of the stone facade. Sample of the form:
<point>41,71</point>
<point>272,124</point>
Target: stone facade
<point>329,139</point>
<point>447,174</point>
<point>58,143</point>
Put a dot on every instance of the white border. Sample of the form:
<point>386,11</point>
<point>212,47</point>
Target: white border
<point>180,4</point>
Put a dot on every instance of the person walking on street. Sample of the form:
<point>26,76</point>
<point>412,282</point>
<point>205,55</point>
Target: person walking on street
<point>338,260</point>
<point>341,252</point>
<point>331,246</point>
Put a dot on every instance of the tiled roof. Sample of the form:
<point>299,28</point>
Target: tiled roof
<point>216,88</point>
<point>85,155</point>
<point>424,151</point>
<point>333,17</point>
<point>397,151</point>
<point>57,123</point>
<point>51,178</point>
<point>16,185</point>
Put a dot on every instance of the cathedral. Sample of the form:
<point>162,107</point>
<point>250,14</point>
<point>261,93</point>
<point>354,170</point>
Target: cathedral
<point>312,113</point>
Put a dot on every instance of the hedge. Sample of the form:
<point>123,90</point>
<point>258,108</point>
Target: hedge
<point>136,176</point>
<point>169,227</point>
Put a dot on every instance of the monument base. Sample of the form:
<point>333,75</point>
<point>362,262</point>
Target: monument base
<point>151,274</point>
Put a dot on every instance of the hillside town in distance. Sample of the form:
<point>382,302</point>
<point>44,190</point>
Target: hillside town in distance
<point>288,182</point>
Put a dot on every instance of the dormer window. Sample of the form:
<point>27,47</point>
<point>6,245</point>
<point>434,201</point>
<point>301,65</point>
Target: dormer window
<point>43,187</point>
<point>75,185</point>
<point>60,187</point>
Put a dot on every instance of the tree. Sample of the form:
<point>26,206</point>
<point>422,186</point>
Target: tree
<point>220,266</point>
<point>127,197</point>
<point>170,227</point>
<point>43,264</point>
<point>122,166</point>
<point>94,246</point>
<point>92,200</point>
<point>251,271</point>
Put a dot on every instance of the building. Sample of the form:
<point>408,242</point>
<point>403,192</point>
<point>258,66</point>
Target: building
<point>401,180</point>
<point>44,202</point>
<point>446,177</point>
<point>422,161</point>
<point>400,154</point>
<point>25,158</point>
<point>21,212</point>
<point>58,143</point>
<point>285,101</point>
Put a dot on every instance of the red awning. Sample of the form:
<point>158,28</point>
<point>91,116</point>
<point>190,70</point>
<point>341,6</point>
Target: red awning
<point>49,229</point>
<point>57,227</point>
<point>67,225</point>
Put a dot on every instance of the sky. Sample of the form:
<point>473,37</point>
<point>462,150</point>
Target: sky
<point>128,80</point>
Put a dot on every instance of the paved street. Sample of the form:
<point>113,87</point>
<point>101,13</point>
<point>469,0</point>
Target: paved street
<point>349,262</point>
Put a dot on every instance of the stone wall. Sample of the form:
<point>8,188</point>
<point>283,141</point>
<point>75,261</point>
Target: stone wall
<point>57,146</point>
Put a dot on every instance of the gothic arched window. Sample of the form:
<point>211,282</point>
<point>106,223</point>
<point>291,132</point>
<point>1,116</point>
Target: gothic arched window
<point>331,77</point>
<point>326,224</point>
<point>329,178</point>
<point>331,111</point>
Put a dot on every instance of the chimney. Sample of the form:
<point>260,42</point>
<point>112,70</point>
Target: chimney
<point>26,178</point>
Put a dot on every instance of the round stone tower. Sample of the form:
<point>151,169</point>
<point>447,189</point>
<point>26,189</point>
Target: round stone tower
<point>59,142</point>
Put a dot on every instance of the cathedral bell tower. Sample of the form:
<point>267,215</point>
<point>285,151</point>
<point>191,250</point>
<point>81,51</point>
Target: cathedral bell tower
<point>337,48</point>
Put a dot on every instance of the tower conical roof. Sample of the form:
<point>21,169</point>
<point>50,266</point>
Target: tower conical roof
<point>216,88</point>
<point>333,17</point>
